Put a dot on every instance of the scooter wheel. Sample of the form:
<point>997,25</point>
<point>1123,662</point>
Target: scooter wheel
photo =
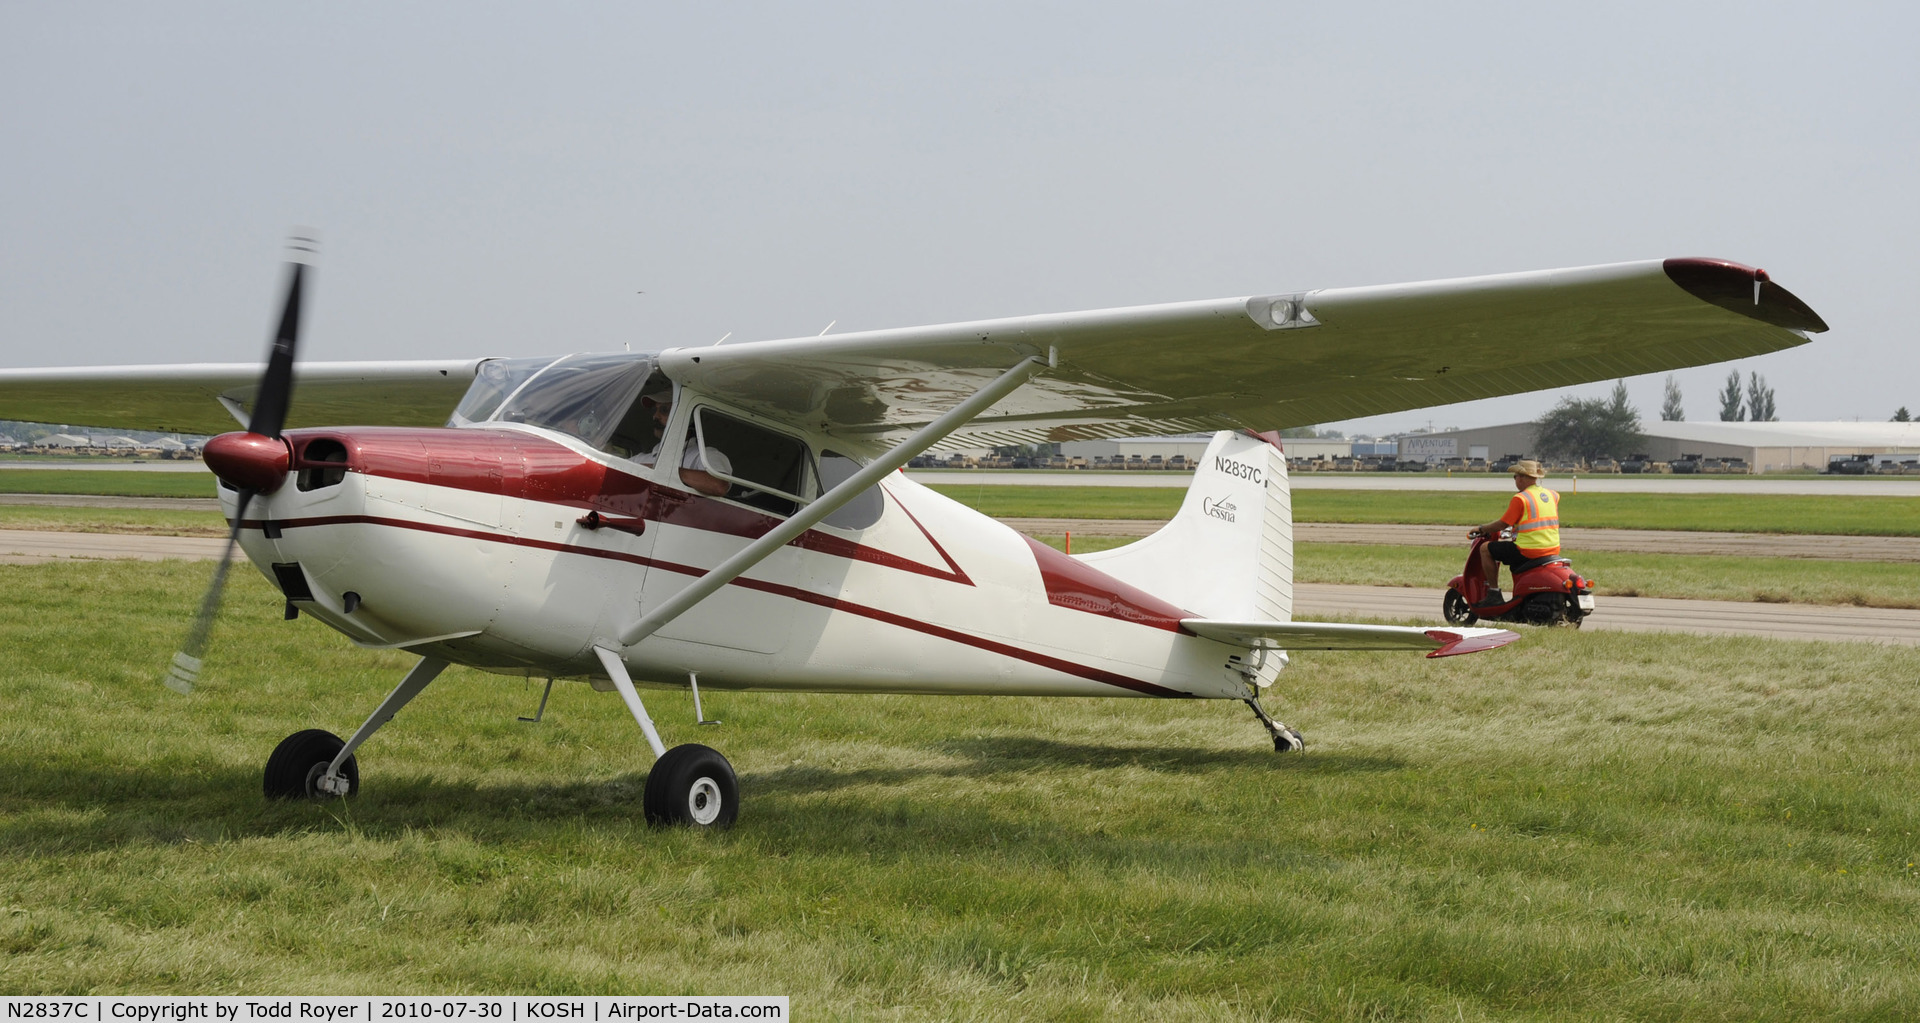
<point>1457,610</point>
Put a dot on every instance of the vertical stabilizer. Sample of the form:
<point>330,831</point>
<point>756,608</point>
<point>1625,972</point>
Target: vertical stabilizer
<point>1228,554</point>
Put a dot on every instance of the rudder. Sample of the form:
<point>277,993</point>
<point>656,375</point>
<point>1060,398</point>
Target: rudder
<point>1228,554</point>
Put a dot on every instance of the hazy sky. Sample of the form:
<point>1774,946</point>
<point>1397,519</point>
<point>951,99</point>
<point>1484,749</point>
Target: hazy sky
<point>506,179</point>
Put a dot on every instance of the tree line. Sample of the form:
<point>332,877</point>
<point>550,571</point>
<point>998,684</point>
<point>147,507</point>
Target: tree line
<point>1590,428</point>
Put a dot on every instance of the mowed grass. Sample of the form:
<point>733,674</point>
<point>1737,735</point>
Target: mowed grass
<point>153,521</point>
<point>1871,515</point>
<point>106,482</point>
<point>1633,826</point>
<point>1867,515</point>
<point>1683,577</point>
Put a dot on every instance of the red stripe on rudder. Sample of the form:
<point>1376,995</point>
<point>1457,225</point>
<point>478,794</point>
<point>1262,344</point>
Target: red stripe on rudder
<point>1080,587</point>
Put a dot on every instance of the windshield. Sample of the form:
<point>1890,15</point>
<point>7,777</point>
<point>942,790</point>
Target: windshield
<point>492,382</point>
<point>582,395</point>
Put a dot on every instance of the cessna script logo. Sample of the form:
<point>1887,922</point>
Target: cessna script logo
<point>1224,508</point>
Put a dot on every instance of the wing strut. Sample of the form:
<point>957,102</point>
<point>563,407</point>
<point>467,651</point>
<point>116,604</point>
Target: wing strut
<point>831,501</point>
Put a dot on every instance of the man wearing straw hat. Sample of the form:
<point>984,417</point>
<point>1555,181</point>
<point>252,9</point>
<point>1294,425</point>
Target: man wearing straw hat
<point>1534,514</point>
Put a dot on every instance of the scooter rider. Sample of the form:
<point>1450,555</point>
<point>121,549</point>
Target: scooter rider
<point>1534,514</point>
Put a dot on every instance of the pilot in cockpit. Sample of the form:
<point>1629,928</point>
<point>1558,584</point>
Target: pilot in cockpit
<point>693,462</point>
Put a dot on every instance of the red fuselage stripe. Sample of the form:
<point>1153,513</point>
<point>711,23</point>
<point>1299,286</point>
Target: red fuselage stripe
<point>776,589</point>
<point>512,464</point>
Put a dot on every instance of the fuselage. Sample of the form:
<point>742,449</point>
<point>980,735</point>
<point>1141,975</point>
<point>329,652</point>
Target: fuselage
<point>517,549</point>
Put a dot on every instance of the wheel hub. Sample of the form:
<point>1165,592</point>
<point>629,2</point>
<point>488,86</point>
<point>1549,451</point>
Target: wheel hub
<point>703,801</point>
<point>321,785</point>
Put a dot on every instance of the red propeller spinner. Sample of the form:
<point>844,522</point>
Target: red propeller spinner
<point>249,461</point>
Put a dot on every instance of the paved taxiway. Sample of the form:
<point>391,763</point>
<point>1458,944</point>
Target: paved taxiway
<point>1650,541</point>
<point>110,465</point>
<point>1643,614</point>
<point>35,546</point>
<point>1312,600</point>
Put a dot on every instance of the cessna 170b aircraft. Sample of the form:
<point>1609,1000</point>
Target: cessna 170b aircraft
<point>730,516</point>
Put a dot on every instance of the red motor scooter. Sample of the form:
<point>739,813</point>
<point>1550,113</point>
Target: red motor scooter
<point>1546,591</point>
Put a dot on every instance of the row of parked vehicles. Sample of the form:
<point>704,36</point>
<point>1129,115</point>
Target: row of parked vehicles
<point>1869,465</point>
<point>1686,464</point>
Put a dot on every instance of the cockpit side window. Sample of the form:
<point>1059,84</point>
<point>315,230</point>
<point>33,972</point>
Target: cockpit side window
<point>768,470</point>
<point>586,396</point>
<point>492,382</point>
<point>644,425</point>
<point>865,508</point>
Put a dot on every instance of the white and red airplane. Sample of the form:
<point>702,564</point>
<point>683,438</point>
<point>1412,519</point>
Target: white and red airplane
<point>730,517</point>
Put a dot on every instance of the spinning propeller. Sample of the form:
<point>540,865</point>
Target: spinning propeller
<point>254,462</point>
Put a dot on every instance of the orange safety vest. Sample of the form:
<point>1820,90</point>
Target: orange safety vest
<point>1539,529</point>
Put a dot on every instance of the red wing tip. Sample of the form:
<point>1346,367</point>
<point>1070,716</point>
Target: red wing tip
<point>1743,289</point>
<point>1452,643</point>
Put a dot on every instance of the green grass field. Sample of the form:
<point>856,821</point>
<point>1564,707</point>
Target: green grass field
<point>1755,513</point>
<point>1632,827</point>
<point>1682,576</point>
<point>106,482</point>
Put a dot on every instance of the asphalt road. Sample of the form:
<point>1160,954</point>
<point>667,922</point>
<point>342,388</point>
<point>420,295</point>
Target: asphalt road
<point>35,546</point>
<point>206,504</point>
<point>112,465</point>
<point>1311,600</point>
<point>1575,539</point>
<point>1642,614</point>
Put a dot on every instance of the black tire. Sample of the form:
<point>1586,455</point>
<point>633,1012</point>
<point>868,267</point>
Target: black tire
<point>692,786</point>
<point>299,761</point>
<point>1456,609</point>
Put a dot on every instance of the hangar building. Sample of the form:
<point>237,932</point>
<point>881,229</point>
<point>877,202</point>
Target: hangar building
<point>1768,447</point>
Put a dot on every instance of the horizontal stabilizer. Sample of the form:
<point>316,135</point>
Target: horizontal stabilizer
<point>1341,636</point>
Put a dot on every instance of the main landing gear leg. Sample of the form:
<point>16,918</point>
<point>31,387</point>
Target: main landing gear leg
<point>1285,740</point>
<point>315,764</point>
<point>690,784</point>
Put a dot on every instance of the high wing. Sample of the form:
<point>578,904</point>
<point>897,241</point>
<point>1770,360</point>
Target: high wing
<point>1257,362</point>
<point>1268,361</point>
<point>199,398</point>
<point>1297,636</point>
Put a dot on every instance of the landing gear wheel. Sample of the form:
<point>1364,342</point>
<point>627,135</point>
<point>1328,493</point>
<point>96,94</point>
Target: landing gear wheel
<point>1289,741</point>
<point>294,769</point>
<point>692,786</point>
<point>1456,609</point>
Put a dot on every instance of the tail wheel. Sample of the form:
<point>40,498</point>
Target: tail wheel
<point>298,762</point>
<point>692,786</point>
<point>1457,610</point>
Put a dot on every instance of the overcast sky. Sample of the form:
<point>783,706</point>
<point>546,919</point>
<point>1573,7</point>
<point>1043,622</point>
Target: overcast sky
<point>508,179</point>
